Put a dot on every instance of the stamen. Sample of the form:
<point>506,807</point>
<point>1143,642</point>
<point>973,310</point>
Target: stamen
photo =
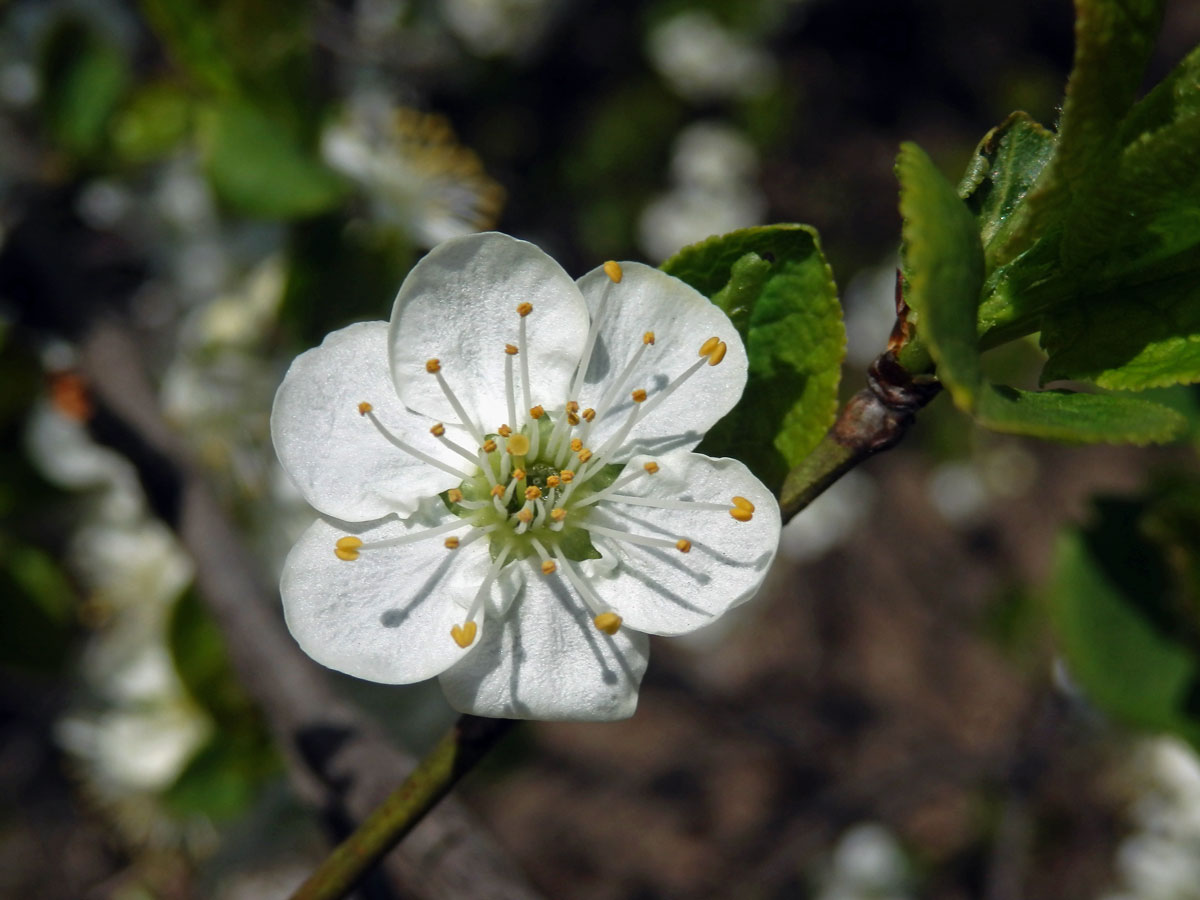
<point>741,515</point>
<point>464,635</point>
<point>558,514</point>
<point>454,495</point>
<point>612,269</point>
<point>524,310</point>
<point>492,572</point>
<point>644,539</point>
<point>406,447</point>
<point>552,481</point>
<point>588,414</point>
<point>648,337</point>
<point>439,432</point>
<point>434,368</point>
<point>659,503</point>
<point>638,396</point>
<point>548,565</point>
<point>648,469</point>
<point>518,475</point>
<point>489,446</point>
<point>350,547</point>
<point>504,431</point>
<point>709,346</point>
<point>533,492</point>
<point>535,429</point>
<point>650,466</point>
<point>451,543</point>
<point>617,386</point>
<point>566,475</point>
<point>347,548</point>
<point>576,445</point>
<point>743,503</point>
<point>609,622</point>
<point>509,393</point>
<point>584,455</point>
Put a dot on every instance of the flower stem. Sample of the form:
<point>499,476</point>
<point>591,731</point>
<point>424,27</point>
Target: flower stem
<point>453,756</point>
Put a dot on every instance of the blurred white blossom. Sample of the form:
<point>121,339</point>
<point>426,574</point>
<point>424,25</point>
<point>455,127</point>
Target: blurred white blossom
<point>867,864</point>
<point>714,172</point>
<point>703,60</point>
<point>499,27</point>
<point>412,170</point>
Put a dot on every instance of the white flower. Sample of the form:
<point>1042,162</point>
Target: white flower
<point>508,495</point>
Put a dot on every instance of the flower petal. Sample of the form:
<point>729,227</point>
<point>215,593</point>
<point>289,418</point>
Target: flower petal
<point>548,661</point>
<point>682,319</point>
<point>459,305</point>
<point>663,591</point>
<point>338,459</point>
<point>387,615</point>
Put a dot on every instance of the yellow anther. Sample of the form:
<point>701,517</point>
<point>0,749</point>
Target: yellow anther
<point>683,545</point>
<point>549,567</point>
<point>464,635</point>
<point>639,396</point>
<point>504,431</point>
<point>743,503</point>
<point>510,349</point>
<point>572,406</point>
<point>552,481</point>
<point>454,495</point>
<point>518,445</point>
<point>438,430</point>
<point>497,490</point>
<point>650,467</point>
<point>518,475</point>
<point>576,445</point>
<point>609,622</point>
<point>364,408</point>
<point>648,337</point>
<point>525,515</point>
<point>585,454</point>
<point>717,355</point>
<point>524,309</point>
<point>709,346</point>
<point>451,543</point>
<point>558,514</point>
<point>432,366</point>
<point>572,419</point>
<point>533,492</point>
<point>588,414</point>
<point>566,475</point>
<point>536,412</point>
<point>742,515</point>
<point>489,446</point>
<point>612,269</point>
<point>347,548</point>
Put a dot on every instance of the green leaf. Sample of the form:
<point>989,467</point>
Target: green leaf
<point>943,268</point>
<point>152,123</point>
<point>1128,339</point>
<point>224,777</point>
<point>198,650</point>
<point>260,169</point>
<point>1005,167</point>
<point>1113,41</point>
<point>1082,418</point>
<point>1173,99</point>
<point>1109,605</point>
<point>83,80</point>
<point>776,287</point>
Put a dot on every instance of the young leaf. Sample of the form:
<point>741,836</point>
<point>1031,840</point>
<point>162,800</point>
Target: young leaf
<point>259,169</point>
<point>1108,606</point>
<point>1113,41</point>
<point>943,267</point>
<point>84,78</point>
<point>1082,418</point>
<point>1128,339</point>
<point>1005,167</point>
<point>775,285</point>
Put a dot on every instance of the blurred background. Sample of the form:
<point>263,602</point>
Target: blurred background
<point>225,182</point>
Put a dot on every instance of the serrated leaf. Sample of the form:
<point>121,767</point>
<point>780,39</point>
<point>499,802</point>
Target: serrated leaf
<point>1113,41</point>
<point>1107,605</point>
<point>260,169</point>
<point>943,269</point>
<point>1005,167</point>
<point>1128,339</point>
<point>1076,417</point>
<point>776,287</point>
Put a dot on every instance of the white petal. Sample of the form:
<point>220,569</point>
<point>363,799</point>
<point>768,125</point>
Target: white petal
<point>387,615</point>
<point>660,590</point>
<point>338,459</point>
<point>548,661</point>
<point>682,319</point>
<point>459,304</point>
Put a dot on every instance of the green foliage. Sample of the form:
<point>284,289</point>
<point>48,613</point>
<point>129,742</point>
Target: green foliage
<point>1125,621</point>
<point>84,78</point>
<point>225,775</point>
<point>260,169</point>
<point>1005,167</point>
<point>38,608</point>
<point>776,287</point>
<point>1075,417</point>
<point>155,119</point>
<point>943,271</point>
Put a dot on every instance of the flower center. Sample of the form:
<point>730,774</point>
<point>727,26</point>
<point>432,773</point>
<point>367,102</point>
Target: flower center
<point>533,485</point>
